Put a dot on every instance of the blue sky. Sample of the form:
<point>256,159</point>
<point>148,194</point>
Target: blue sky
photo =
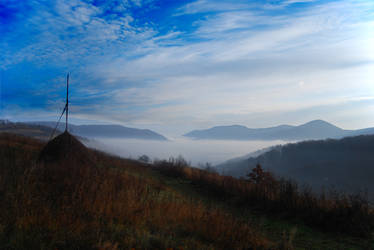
<point>173,66</point>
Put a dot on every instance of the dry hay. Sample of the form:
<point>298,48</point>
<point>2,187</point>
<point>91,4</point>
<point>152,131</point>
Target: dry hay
<point>65,147</point>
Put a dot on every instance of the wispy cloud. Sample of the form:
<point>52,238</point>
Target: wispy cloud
<point>208,63</point>
<point>206,6</point>
<point>63,31</point>
<point>285,3</point>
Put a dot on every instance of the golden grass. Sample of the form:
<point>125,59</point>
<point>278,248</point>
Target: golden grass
<point>334,211</point>
<point>112,204</point>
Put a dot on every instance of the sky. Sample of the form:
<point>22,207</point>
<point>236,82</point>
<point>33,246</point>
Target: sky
<point>174,66</point>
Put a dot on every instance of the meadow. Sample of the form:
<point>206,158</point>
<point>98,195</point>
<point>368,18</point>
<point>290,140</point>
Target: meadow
<point>114,203</point>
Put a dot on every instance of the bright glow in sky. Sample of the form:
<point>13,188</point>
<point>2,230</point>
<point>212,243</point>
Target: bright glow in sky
<point>173,66</point>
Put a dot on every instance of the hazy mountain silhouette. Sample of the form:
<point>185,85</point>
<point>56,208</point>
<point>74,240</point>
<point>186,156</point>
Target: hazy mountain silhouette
<point>37,131</point>
<point>111,131</point>
<point>317,129</point>
<point>346,163</point>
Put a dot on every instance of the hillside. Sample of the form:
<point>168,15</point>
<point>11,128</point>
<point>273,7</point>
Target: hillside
<point>37,131</point>
<point>114,203</point>
<point>346,163</point>
<point>108,131</point>
<point>316,129</point>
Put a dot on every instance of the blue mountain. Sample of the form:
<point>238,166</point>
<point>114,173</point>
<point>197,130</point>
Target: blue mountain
<point>317,129</point>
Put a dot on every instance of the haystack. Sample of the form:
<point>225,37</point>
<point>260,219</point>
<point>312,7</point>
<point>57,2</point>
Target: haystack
<point>65,147</point>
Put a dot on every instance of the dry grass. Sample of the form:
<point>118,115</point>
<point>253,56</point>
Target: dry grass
<point>334,212</point>
<point>111,204</point>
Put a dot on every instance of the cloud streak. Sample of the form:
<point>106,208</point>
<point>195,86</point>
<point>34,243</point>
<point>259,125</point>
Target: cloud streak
<point>215,62</point>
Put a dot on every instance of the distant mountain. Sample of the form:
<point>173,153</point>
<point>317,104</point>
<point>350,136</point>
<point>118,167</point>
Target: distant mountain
<point>316,129</point>
<point>346,163</point>
<point>109,131</point>
<point>32,130</point>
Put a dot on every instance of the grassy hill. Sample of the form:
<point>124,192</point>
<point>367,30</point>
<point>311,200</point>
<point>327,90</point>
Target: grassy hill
<point>114,203</point>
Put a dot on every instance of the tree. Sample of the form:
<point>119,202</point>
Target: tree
<point>209,168</point>
<point>259,176</point>
<point>144,158</point>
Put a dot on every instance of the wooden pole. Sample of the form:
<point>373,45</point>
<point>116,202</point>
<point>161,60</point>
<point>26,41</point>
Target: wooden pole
<point>67,102</point>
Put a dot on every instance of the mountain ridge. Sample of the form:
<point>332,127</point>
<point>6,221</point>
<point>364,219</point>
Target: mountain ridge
<point>109,131</point>
<point>315,129</point>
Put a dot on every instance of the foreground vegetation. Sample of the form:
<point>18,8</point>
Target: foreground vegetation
<point>109,205</point>
<point>329,211</point>
<point>112,203</point>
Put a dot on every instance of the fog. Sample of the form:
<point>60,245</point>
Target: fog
<point>194,151</point>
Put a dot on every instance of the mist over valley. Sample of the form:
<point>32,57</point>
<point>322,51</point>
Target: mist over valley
<point>195,151</point>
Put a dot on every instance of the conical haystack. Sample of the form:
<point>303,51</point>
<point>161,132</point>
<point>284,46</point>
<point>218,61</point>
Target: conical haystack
<point>66,166</point>
<point>65,147</point>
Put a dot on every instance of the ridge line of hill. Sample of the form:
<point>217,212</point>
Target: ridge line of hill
<point>316,129</point>
<point>89,131</point>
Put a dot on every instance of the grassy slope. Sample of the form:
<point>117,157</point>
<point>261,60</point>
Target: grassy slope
<point>273,227</point>
<point>113,204</point>
<point>123,203</point>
